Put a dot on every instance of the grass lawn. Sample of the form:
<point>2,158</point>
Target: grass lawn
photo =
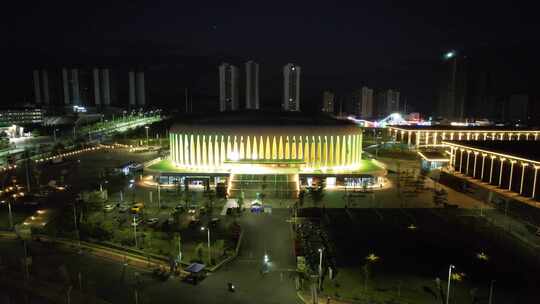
<point>350,285</point>
<point>411,260</point>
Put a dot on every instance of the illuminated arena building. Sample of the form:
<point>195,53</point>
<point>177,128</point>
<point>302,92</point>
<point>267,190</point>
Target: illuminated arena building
<point>244,150</point>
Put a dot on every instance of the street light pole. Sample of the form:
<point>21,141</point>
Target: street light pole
<point>491,291</point>
<point>320,267</point>
<point>76,227</point>
<point>449,279</point>
<point>208,233</point>
<point>179,249</point>
<point>209,253</point>
<point>159,194</point>
<point>10,216</point>
<point>135,232</point>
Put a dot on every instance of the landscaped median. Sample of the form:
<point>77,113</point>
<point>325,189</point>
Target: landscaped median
<point>133,257</point>
<point>51,293</point>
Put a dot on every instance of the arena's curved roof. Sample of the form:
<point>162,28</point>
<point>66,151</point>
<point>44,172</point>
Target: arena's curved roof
<point>265,123</point>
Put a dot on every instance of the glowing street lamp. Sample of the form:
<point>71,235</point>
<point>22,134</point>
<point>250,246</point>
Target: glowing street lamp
<point>320,266</point>
<point>482,256</point>
<point>208,232</point>
<point>449,279</point>
<point>450,54</point>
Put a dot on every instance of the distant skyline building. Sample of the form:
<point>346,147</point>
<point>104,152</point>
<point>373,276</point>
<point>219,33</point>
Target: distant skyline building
<point>228,87</point>
<point>291,87</point>
<point>41,87</point>
<point>252,85</point>
<point>131,84</point>
<point>328,102</point>
<point>388,102</point>
<point>74,84</point>
<point>363,102</point>
<point>141,89</point>
<point>102,87</point>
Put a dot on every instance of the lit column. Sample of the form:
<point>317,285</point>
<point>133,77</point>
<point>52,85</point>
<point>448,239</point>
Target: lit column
<point>409,139</point>
<point>468,157</point>
<point>527,136</point>
<point>535,135</point>
<point>435,138</point>
<point>510,136</point>
<point>534,181</point>
<point>517,136</point>
<point>452,136</point>
<point>427,138</point>
<point>474,166</point>
<point>485,136</point>
<point>500,173</point>
<point>523,167</point>
<point>483,163</point>
<point>468,136</point>
<point>493,136</point>
<point>491,169</point>
<point>418,138</point>
<point>460,159</point>
<point>502,136</point>
<point>401,138</point>
<point>460,135</point>
<point>453,152</point>
<point>476,136</point>
<point>512,162</point>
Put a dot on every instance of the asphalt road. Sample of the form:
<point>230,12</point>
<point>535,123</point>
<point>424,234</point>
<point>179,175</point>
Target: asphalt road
<point>117,284</point>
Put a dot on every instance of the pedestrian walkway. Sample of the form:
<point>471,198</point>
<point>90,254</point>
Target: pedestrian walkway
<point>230,203</point>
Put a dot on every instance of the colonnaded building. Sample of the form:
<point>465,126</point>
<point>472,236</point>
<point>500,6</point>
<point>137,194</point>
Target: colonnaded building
<point>272,152</point>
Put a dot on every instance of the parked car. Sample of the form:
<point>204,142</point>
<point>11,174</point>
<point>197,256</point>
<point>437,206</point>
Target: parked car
<point>123,208</point>
<point>137,208</point>
<point>179,208</point>
<point>152,221</point>
<point>109,207</point>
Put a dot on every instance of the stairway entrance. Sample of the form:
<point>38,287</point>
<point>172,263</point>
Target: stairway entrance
<point>272,185</point>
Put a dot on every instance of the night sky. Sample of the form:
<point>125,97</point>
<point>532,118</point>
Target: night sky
<point>380,44</point>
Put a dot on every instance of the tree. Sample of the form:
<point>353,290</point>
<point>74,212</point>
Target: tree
<point>58,148</point>
<point>210,197</point>
<point>316,194</point>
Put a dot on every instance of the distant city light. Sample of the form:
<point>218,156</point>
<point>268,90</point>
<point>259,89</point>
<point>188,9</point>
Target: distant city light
<point>450,54</point>
<point>79,109</point>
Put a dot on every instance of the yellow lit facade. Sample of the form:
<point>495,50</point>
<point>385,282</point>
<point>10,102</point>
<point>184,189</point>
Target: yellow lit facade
<point>315,148</point>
